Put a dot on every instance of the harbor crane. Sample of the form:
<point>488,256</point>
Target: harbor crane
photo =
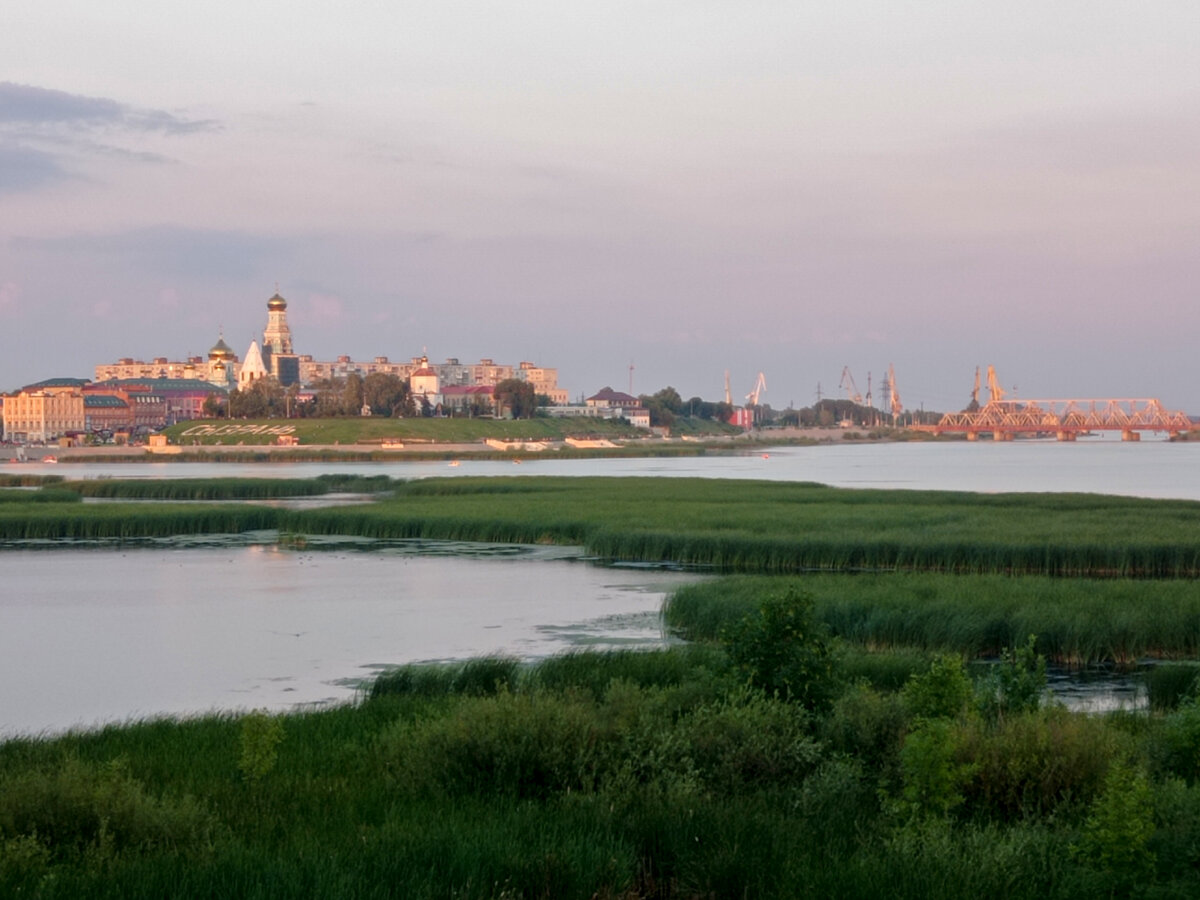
<point>760,386</point>
<point>895,406</point>
<point>847,382</point>
<point>994,390</point>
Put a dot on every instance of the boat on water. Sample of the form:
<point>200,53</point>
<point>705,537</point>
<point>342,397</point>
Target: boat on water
<point>49,459</point>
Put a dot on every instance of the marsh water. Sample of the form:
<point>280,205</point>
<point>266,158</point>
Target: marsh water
<point>182,627</point>
<point>105,634</point>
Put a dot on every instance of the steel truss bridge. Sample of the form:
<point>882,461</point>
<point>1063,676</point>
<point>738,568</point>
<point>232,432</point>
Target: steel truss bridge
<point>1004,420</point>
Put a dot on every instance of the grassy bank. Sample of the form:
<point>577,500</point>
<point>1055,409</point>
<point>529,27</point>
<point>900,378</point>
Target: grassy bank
<point>621,775</point>
<point>375,430</point>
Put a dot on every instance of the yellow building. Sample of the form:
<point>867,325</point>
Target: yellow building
<point>45,411</point>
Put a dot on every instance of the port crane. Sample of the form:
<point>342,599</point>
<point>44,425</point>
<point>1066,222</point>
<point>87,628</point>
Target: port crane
<point>760,386</point>
<point>895,407</point>
<point>847,382</point>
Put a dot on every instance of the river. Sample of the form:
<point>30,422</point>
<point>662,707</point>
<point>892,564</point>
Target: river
<point>1149,468</point>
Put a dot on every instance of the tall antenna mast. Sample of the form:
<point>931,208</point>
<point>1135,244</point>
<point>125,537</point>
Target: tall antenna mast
<point>631,378</point>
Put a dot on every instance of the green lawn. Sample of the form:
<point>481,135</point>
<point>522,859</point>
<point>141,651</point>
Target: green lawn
<point>417,430</point>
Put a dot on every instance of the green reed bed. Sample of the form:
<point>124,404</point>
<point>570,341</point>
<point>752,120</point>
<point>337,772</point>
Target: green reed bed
<point>672,780</point>
<point>776,527</point>
<point>227,488</point>
<point>1077,621</point>
<point>49,521</point>
<point>45,495</point>
<point>12,479</point>
<point>747,526</point>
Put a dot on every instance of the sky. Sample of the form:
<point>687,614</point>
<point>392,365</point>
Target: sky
<point>687,188</point>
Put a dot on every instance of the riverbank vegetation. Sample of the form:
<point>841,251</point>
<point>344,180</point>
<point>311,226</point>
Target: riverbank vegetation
<point>822,733</point>
<point>1077,621</point>
<point>736,526</point>
<point>752,766</point>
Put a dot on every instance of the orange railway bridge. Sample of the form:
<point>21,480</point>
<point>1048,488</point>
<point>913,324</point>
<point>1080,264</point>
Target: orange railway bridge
<point>1065,420</point>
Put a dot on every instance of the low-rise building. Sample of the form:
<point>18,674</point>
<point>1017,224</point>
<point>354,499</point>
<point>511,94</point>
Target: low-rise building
<point>468,399</point>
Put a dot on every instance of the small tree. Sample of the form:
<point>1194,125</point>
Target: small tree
<point>944,692</point>
<point>1016,684</point>
<point>783,651</point>
<point>516,397</point>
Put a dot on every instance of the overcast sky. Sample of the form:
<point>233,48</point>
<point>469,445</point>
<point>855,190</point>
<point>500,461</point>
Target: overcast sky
<point>690,187</point>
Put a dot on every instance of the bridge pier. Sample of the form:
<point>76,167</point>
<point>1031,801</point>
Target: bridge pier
<point>972,435</point>
<point>1131,435</point>
<point>1066,435</point>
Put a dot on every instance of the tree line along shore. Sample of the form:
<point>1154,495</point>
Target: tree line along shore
<point>858,709</point>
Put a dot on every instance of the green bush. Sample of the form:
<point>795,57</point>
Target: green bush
<point>932,775</point>
<point>1119,828</point>
<point>781,650</point>
<point>1177,748</point>
<point>78,811</point>
<point>260,738</point>
<point>943,692</point>
<point>747,742</point>
<point>1036,762</point>
<point>867,725</point>
<point>514,745</point>
<point>1014,685</point>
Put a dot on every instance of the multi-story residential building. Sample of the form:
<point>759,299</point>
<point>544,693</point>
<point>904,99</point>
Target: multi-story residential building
<point>219,368</point>
<point>544,381</point>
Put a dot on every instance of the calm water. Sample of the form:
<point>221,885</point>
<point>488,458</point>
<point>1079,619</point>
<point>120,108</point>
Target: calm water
<point>89,636</point>
<point>1150,468</point>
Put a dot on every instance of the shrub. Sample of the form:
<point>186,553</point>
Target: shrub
<point>932,777</point>
<point>524,746</point>
<point>78,811</point>
<point>1014,685</point>
<point>867,725</point>
<point>943,692</point>
<point>747,741</point>
<point>1036,762</point>
<point>783,651</point>
<point>1119,827</point>
<point>1177,748</point>
<point>259,740</point>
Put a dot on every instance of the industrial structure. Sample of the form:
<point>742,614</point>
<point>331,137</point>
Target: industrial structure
<point>1003,419</point>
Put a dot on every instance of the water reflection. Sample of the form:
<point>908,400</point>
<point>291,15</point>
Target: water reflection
<point>104,634</point>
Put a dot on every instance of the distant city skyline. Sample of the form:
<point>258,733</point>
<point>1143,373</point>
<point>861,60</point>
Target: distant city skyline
<point>690,188</point>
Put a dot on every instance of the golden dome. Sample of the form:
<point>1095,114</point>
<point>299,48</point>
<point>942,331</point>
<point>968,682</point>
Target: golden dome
<point>277,303</point>
<point>220,350</point>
